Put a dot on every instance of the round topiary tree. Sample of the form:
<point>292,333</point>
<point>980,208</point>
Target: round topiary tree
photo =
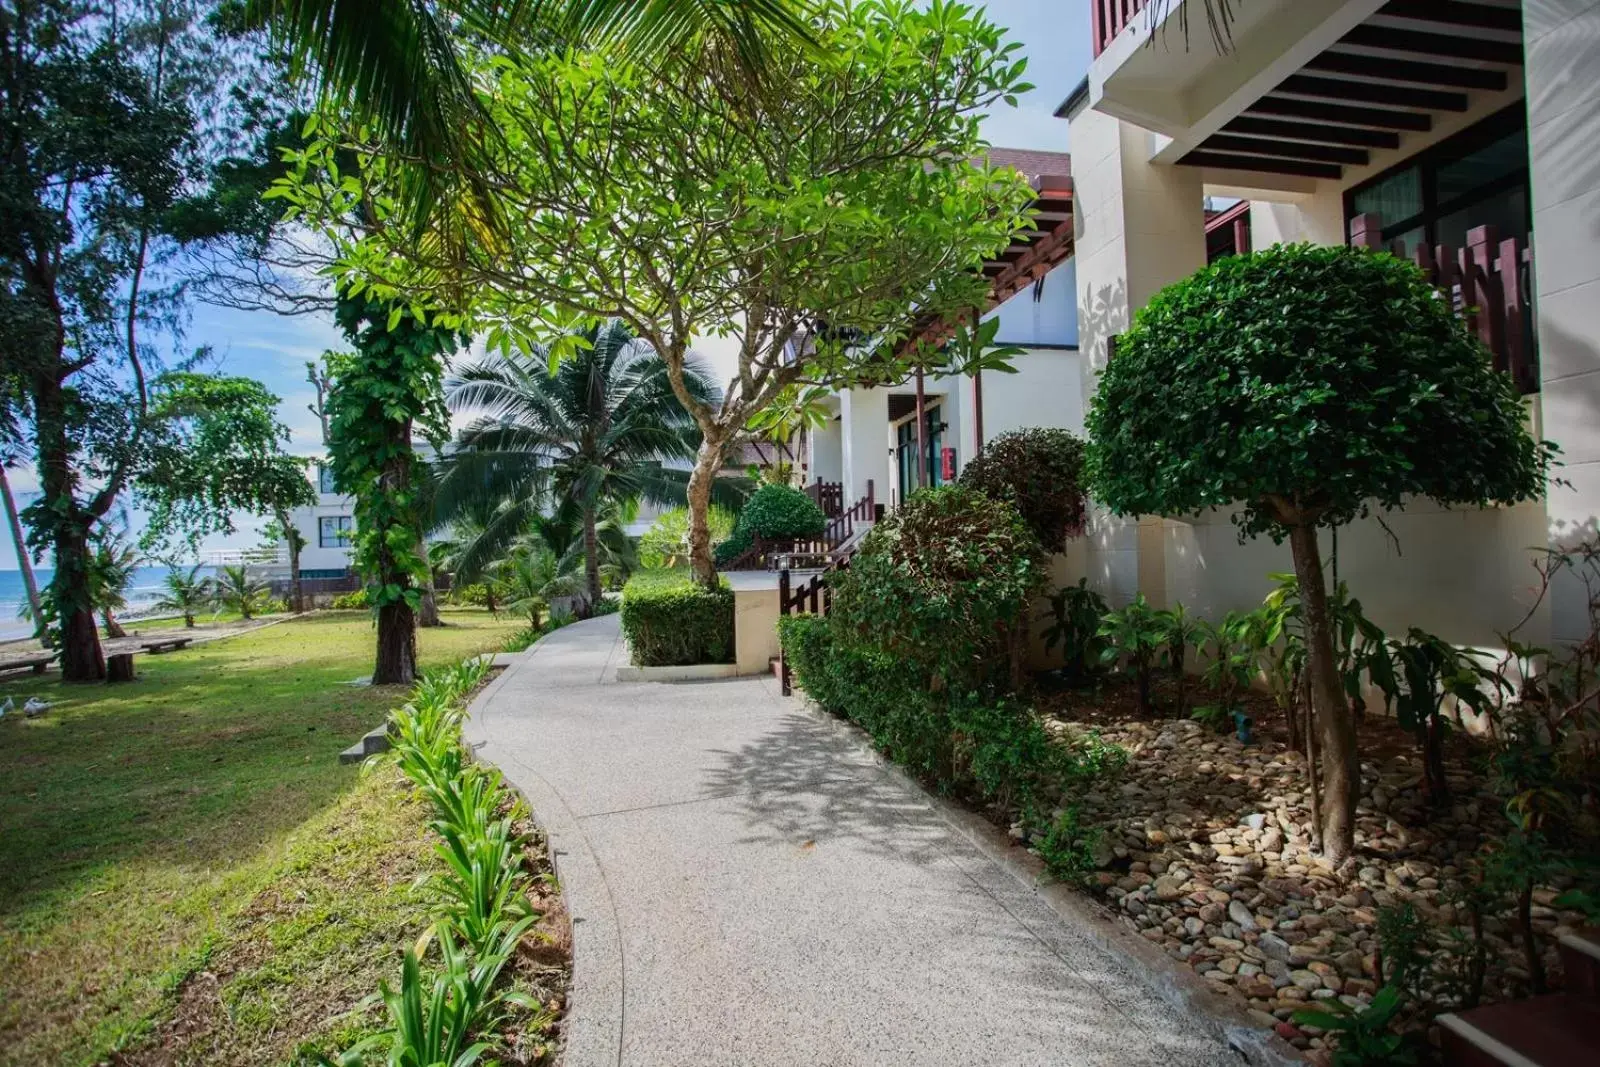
<point>1040,471</point>
<point>943,582</point>
<point>773,511</point>
<point>1305,384</point>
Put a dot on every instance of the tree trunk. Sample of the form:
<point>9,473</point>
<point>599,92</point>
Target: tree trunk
<point>82,659</point>
<point>428,609</point>
<point>24,562</point>
<point>188,622</point>
<point>297,600</point>
<point>397,645</point>
<point>707,462</point>
<point>1341,770</point>
<point>591,562</point>
<point>113,627</point>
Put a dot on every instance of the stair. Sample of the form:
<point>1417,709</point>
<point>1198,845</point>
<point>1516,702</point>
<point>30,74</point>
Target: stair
<point>1559,1030</point>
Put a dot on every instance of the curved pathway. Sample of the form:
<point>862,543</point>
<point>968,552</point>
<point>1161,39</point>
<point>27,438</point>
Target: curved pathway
<point>750,885</point>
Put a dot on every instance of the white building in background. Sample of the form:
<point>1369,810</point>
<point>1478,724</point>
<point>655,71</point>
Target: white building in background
<point>1470,126</point>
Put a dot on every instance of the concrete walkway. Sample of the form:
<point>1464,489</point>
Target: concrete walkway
<point>750,885</point>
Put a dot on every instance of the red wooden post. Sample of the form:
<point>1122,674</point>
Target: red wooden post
<point>922,426</point>
<point>1365,232</point>
<point>1097,25</point>
<point>783,609</point>
<point>977,412</point>
<point>1241,235</point>
<point>1490,298</point>
<point>1511,297</point>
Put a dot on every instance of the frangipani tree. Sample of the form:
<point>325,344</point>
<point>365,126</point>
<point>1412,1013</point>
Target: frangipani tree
<point>1307,385</point>
<point>812,222</point>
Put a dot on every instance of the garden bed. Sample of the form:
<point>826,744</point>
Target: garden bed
<point>1205,850</point>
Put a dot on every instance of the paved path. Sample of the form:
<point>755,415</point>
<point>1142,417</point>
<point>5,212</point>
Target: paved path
<point>750,886</point>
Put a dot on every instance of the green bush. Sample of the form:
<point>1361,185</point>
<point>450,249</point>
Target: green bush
<point>773,511</point>
<point>670,620</point>
<point>944,583</point>
<point>1040,471</point>
<point>356,601</point>
<point>666,544</point>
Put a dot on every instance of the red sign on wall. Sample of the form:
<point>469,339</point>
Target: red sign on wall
<point>947,464</point>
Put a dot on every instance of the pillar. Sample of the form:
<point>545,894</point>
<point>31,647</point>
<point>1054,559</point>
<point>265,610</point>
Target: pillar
<point>864,415</point>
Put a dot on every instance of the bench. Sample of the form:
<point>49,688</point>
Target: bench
<point>119,667</point>
<point>36,664</point>
<point>170,644</point>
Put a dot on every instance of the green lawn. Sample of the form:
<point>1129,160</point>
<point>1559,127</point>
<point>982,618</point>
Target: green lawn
<point>184,862</point>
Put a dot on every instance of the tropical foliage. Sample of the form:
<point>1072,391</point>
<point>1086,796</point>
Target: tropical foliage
<point>1040,471</point>
<point>187,594</point>
<point>574,438</point>
<point>236,589</point>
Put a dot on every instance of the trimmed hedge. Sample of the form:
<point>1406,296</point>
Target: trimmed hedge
<point>773,511</point>
<point>669,620</point>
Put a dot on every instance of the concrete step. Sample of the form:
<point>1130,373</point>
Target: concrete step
<point>371,743</point>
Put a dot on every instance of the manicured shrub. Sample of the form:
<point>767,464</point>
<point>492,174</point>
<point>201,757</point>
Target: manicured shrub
<point>1303,384</point>
<point>773,511</point>
<point>1040,471</point>
<point>943,583</point>
<point>670,620</point>
<point>356,601</point>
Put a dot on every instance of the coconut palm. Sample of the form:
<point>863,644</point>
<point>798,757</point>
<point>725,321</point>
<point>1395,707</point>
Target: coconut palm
<point>604,426</point>
<point>237,589</point>
<point>399,63</point>
<point>186,594</point>
<point>111,567</point>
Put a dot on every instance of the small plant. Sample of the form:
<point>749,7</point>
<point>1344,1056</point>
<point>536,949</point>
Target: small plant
<point>187,594</point>
<point>1213,717</point>
<point>238,590</point>
<point>1367,1036</point>
<point>1281,651</point>
<point>1075,614</point>
<point>1068,848</point>
<point>1135,636</point>
<point>1183,630</point>
<point>1230,659</point>
<point>356,601</point>
<point>1434,670</point>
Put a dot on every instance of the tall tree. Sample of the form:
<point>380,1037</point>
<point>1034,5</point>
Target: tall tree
<point>815,221</point>
<point>390,387</point>
<point>601,426</point>
<point>1304,385</point>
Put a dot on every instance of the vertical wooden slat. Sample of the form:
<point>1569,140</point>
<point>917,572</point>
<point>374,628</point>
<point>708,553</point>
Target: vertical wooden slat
<point>1097,25</point>
<point>783,609</point>
<point>1489,297</point>
<point>1366,231</point>
<point>922,426</point>
<point>1511,299</point>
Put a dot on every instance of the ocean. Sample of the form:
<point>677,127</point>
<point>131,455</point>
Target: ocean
<point>146,589</point>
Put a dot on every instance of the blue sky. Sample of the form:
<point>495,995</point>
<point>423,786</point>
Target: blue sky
<point>274,349</point>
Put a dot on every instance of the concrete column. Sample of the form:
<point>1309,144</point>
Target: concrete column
<point>827,452</point>
<point>1317,219</point>
<point>1139,227</point>
<point>865,437</point>
<point>1563,81</point>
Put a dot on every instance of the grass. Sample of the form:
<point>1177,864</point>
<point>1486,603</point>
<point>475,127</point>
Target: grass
<point>194,828</point>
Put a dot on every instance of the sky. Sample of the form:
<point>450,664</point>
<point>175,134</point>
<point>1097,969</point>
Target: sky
<point>274,349</point>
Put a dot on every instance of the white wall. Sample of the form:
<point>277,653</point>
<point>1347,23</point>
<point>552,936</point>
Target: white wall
<point>865,441</point>
<point>1051,319</point>
<point>1563,79</point>
<point>1047,390</point>
<point>827,452</point>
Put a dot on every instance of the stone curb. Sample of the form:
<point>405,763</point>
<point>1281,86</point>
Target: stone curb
<point>592,1028</point>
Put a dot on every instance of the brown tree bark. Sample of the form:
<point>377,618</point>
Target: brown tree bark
<point>82,658</point>
<point>1341,769</point>
<point>428,609</point>
<point>113,627</point>
<point>297,600</point>
<point>707,462</point>
<point>397,645</point>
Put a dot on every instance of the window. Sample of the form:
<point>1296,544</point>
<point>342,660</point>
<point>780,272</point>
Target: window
<point>325,479</point>
<point>1477,178</point>
<point>333,531</point>
<point>906,452</point>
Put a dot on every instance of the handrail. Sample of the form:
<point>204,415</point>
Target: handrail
<point>1107,18</point>
<point>774,553</point>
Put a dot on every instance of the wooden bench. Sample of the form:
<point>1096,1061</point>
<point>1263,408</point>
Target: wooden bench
<point>36,664</point>
<point>170,644</point>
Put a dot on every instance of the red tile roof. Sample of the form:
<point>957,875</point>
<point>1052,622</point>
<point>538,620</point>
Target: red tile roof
<point>1031,162</point>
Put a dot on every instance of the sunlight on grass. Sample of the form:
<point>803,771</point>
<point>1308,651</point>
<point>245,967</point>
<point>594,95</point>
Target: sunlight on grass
<point>141,822</point>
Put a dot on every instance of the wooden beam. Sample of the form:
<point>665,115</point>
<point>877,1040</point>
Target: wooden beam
<point>1409,70</point>
<point>1311,131</point>
<point>1322,153</point>
<point>1370,92</point>
<point>1391,39</point>
<point>1201,158</point>
<point>1457,13</point>
<point>1381,118</point>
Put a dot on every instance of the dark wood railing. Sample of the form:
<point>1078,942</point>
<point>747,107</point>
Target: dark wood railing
<point>829,496</point>
<point>1107,19</point>
<point>1489,283</point>
<point>814,596</point>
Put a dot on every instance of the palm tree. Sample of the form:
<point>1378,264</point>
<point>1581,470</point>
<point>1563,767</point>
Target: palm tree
<point>603,427</point>
<point>533,576</point>
<point>186,594</point>
<point>399,62</point>
<point>111,567</point>
<point>238,589</point>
